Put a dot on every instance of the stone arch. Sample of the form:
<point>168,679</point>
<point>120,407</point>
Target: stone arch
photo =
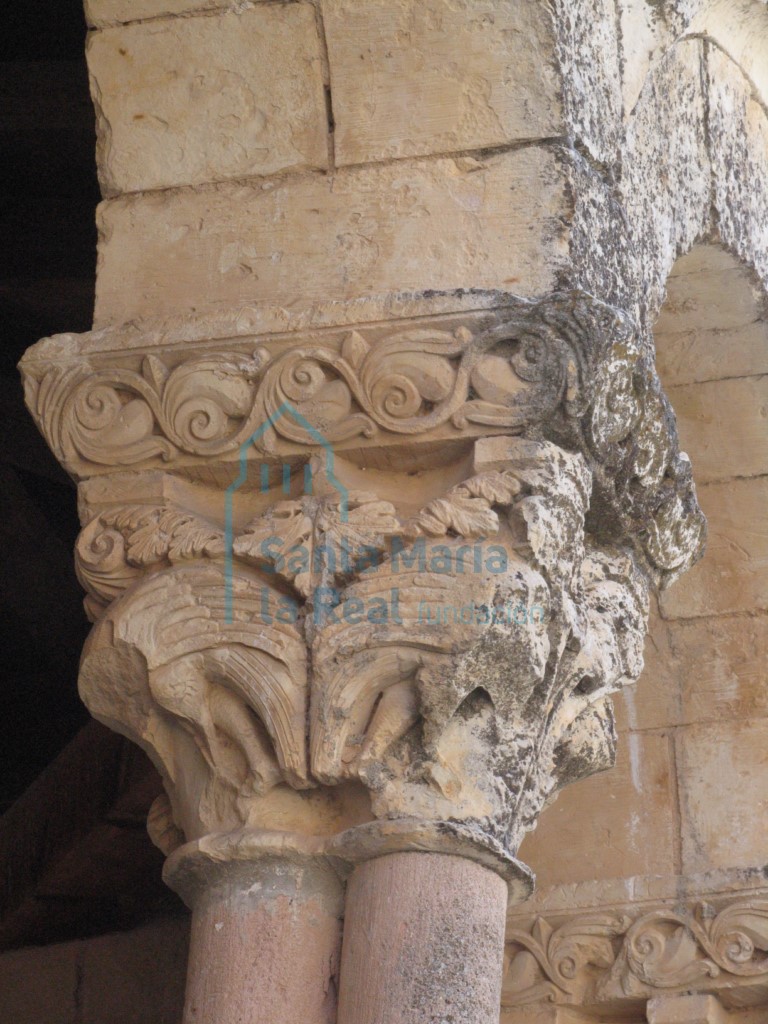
<point>694,167</point>
<point>712,354</point>
<point>740,29</point>
<point>691,166</point>
<point>699,714</point>
<point>648,32</point>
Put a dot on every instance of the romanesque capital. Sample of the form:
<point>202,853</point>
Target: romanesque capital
<point>372,585</point>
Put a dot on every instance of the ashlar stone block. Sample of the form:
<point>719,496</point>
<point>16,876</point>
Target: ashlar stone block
<point>439,224</point>
<point>722,426</point>
<point>697,355</point>
<point>719,664</point>
<point>733,574</point>
<point>718,758</point>
<point>698,670</point>
<point>182,101</point>
<point>600,827</point>
<point>415,77</point>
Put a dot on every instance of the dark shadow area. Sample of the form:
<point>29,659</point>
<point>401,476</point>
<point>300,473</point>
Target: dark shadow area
<point>75,858</point>
<point>48,192</point>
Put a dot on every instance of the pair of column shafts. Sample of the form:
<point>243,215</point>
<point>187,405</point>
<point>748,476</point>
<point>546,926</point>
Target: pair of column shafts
<point>422,942</point>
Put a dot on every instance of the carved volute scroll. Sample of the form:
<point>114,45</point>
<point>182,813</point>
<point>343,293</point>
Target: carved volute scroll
<point>428,635</point>
<point>625,953</point>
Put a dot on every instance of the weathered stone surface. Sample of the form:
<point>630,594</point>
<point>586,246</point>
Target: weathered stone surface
<point>538,1013</point>
<point>720,668</point>
<point>564,367</point>
<point>188,100</point>
<point>607,956</point>
<point>492,222</point>
<point>731,758</point>
<point>665,185</point>
<point>602,827</point>
<point>603,259</point>
<point>626,250</point>
<point>723,426</point>
<point>265,941</point>
<point>590,69</point>
<point>699,670</point>
<point>740,29</point>
<point>709,289</point>
<point>690,356</point>
<point>439,728</point>
<point>423,941</point>
<point>111,12</point>
<point>576,594</point>
<point>738,132</point>
<point>645,35</point>
<point>403,735</point>
<point>733,575</point>
<point>668,190</point>
<point>655,702</point>
<point>686,1009</point>
<point>439,78</point>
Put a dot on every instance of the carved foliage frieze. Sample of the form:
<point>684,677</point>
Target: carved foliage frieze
<point>603,956</point>
<point>567,368</point>
<point>506,369</point>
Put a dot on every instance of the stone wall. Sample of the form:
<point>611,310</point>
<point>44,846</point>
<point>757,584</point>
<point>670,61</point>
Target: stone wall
<point>678,825</point>
<point>353,148</point>
<point>324,151</point>
<point>130,978</point>
<point>689,792</point>
<point>311,155</point>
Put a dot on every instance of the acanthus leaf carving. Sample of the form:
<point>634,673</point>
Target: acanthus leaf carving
<point>118,545</point>
<point>664,949</point>
<point>547,961</point>
<point>394,702</point>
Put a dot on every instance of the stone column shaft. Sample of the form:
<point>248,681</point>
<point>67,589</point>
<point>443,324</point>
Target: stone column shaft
<point>265,941</point>
<point>423,941</point>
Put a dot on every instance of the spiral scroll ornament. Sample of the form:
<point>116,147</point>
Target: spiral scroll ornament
<point>568,369</point>
<point>612,955</point>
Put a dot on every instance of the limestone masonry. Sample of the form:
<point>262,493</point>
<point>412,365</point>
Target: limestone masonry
<point>415,324</point>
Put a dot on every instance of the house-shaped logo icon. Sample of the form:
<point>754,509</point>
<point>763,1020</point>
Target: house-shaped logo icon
<point>265,469</point>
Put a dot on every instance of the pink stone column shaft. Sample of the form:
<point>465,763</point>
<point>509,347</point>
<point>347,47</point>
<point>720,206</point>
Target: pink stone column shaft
<point>423,941</point>
<point>265,946</point>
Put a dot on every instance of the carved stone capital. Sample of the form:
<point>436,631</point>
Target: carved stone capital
<point>435,575</point>
<point>567,368</point>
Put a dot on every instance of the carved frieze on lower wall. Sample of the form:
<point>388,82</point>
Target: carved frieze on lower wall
<point>632,952</point>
